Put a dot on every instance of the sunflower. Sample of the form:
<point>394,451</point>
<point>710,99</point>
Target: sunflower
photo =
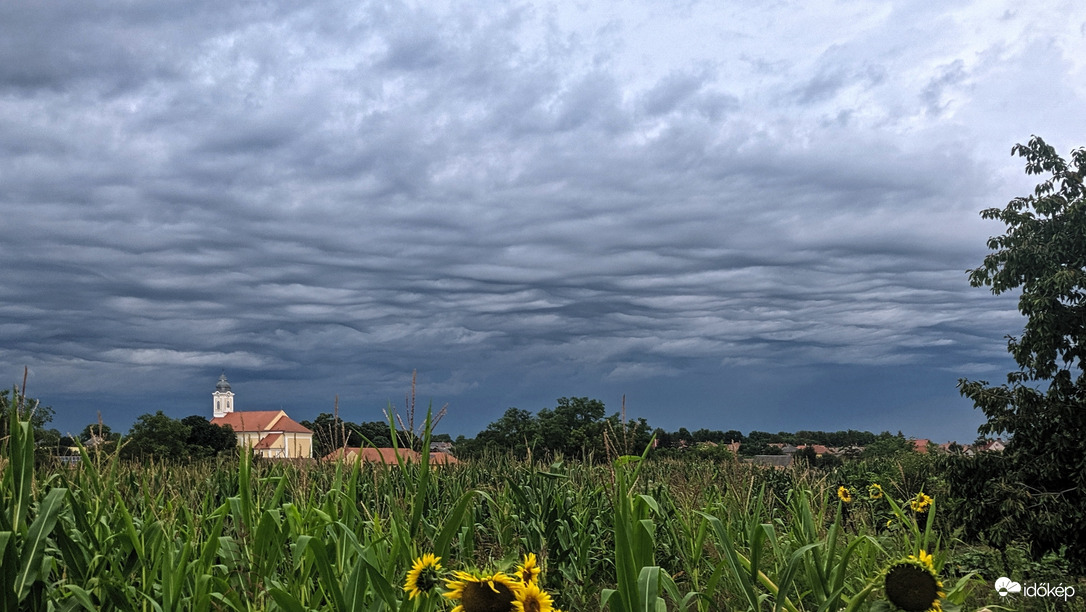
<point>920,503</point>
<point>911,585</point>
<point>424,576</point>
<point>874,491</point>
<point>924,559</point>
<point>496,592</point>
<point>528,571</point>
<point>532,599</point>
<point>844,494</point>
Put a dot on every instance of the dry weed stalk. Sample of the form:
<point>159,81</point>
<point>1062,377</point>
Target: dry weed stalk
<point>414,434</point>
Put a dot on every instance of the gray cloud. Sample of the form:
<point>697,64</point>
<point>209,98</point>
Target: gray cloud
<point>338,194</point>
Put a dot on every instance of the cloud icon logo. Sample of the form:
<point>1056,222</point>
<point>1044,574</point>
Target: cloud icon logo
<point>1005,585</point>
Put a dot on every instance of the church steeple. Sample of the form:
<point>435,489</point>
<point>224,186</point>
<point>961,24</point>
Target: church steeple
<point>223,398</point>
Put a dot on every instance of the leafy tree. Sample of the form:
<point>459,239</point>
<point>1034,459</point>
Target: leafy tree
<point>887,445</point>
<point>759,437</point>
<point>683,436</point>
<point>517,431</point>
<point>713,453</point>
<point>331,432</point>
<point>157,436</point>
<point>378,434</point>
<point>664,439</point>
<point>46,441</point>
<point>805,456</point>
<point>708,435</point>
<point>758,446</point>
<point>40,416</point>
<point>574,427</point>
<point>733,435</point>
<point>206,439</point>
<point>1043,403</point>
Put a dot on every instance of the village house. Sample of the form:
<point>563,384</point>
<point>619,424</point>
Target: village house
<point>269,433</point>
<point>992,446</point>
<point>819,449</point>
<point>441,447</point>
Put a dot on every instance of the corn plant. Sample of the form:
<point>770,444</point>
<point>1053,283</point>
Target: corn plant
<point>639,579</point>
<point>25,558</point>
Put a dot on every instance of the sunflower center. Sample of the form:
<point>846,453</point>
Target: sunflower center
<point>487,596</point>
<point>911,588</point>
<point>428,579</point>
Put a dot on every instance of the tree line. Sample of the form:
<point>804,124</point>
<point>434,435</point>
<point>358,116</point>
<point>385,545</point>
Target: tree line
<point>578,427</point>
<point>152,436</point>
<point>331,432</point>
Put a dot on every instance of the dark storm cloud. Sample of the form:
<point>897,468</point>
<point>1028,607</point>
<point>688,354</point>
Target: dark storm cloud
<point>338,194</point>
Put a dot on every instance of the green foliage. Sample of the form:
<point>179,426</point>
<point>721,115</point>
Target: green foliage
<point>26,520</point>
<point>887,445</point>
<point>13,403</point>
<point>758,446</point>
<point>331,432</point>
<point>517,431</point>
<point>1043,403</point>
<point>574,428</point>
<point>156,436</point>
<point>206,439</point>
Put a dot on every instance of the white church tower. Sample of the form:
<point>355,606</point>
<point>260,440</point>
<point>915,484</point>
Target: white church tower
<point>223,398</point>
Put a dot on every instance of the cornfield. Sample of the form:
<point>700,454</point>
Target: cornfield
<point>626,535</point>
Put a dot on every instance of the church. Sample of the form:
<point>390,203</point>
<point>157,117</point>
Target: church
<point>269,433</point>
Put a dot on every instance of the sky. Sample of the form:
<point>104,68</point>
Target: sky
<point>734,215</point>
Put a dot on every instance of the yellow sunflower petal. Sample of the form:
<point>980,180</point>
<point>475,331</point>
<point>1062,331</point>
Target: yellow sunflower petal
<point>533,599</point>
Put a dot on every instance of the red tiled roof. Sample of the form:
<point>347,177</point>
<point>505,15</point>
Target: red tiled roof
<point>287,424</point>
<point>921,446</point>
<point>439,458</point>
<point>387,455</point>
<point>369,454</point>
<point>267,441</point>
<point>260,421</point>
